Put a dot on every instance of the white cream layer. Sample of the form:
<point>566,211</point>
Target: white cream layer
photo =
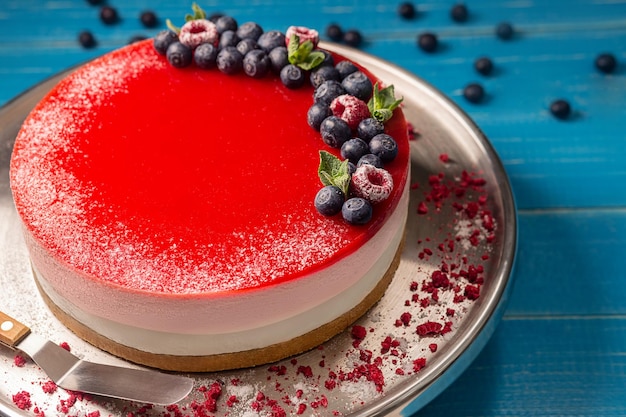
<point>253,320</point>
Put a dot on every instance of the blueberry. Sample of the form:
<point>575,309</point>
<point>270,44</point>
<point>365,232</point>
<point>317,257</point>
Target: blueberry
<point>345,68</point>
<point>483,65</point>
<point>351,168</point>
<point>270,40</point>
<point>214,17</point>
<point>148,18</point>
<point>359,85</point>
<point>328,91</point>
<point>95,2</point>
<point>406,10</point>
<point>560,109</point>
<point>316,115</point>
<point>370,159</point>
<point>179,55</point>
<point>256,64</point>
<point>137,38</point>
<point>368,128</point>
<point>163,40</point>
<point>334,32</point>
<point>427,42</point>
<point>504,31</point>
<point>474,92</point>
<point>459,13</point>
<point>249,30</point>
<point>353,38</point>
<point>224,23</point>
<point>205,55</point>
<point>229,38</point>
<point>384,146</point>
<point>108,15</point>
<point>229,60</point>
<point>606,63</point>
<point>279,58</point>
<point>335,131</point>
<point>353,149</point>
<point>328,61</point>
<point>292,76</point>
<point>329,200</point>
<point>246,45</point>
<point>86,39</point>
<point>357,211</point>
<point>321,74</point>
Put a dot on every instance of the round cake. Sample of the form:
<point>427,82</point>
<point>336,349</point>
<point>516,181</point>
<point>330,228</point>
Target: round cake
<point>170,212</point>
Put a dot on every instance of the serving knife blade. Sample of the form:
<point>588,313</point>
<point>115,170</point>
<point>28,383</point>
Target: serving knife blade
<point>75,374</point>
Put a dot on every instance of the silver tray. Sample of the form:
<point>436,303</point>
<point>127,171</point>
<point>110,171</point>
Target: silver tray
<point>447,143</point>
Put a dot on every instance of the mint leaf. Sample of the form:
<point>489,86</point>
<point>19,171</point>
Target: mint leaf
<point>171,26</point>
<point>198,13</point>
<point>333,171</point>
<point>302,54</point>
<point>383,103</point>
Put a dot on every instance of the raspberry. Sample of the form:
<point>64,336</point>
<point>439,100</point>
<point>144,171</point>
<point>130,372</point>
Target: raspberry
<point>304,34</point>
<point>351,109</point>
<point>198,31</point>
<point>371,183</point>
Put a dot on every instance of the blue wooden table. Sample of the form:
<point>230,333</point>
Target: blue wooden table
<point>561,347</point>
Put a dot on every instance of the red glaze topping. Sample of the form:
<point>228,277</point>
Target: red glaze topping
<point>181,181</point>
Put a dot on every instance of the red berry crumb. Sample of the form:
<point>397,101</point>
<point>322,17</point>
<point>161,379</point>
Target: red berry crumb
<point>22,400</point>
<point>19,361</point>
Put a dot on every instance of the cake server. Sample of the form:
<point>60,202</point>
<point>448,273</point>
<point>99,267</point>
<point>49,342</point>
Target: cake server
<point>71,373</point>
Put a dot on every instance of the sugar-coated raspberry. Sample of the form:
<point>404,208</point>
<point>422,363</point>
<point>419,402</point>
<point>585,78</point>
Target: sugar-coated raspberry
<point>303,33</point>
<point>198,31</point>
<point>351,109</point>
<point>372,183</point>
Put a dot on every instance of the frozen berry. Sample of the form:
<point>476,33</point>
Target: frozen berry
<point>427,42</point>
<point>384,146</point>
<point>279,57</point>
<point>148,18</point>
<point>459,13</point>
<point>323,73</point>
<point>249,30</point>
<point>483,65</point>
<point>351,109</point>
<point>246,45</point>
<point>368,128</point>
<point>163,40</point>
<point>303,33</point>
<point>359,85</point>
<point>256,64</point>
<point>334,32</point>
<point>229,38</point>
<point>270,40</point>
<point>353,38</point>
<point>316,115</point>
<point>328,91</point>
<point>198,31</point>
<point>357,211</point>
<point>179,55</point>
<point>229,60</point>
<point>406,10</point>
<point>560,109</point>
<point>224,23</point>
<point>371,183</point>
<point>606,63</point>
<point>86,39</point>
<point>292,76</point>
<point>353,149</point>
<point>504,31</point>
<point>335,132</point>
<point>205,56</point>
<point>345,68</point>
<point>370,159</point>
<point>109,15</point>
<point>474,92</point>
<point>329,200</point>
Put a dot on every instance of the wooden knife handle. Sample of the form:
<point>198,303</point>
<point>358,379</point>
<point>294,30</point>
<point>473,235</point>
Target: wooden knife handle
<point>11,330</point>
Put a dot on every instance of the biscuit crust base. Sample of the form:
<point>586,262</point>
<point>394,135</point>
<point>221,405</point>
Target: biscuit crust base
<point>234,360</point>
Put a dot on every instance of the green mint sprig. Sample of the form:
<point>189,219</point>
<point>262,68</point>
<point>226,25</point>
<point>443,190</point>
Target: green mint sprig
<point>198,13</point>
<point>333,171</point>
<point>302,54</point>
<point>383,103</point>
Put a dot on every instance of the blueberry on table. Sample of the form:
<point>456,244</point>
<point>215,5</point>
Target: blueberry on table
<point>148,18</point>
<point>335,131</point>
<point>406,10</point>
<point>334,32</point>
<point>483,65</point>
<point>474,92</point>
<point>163,40</point>
<point>108,15</point>
<point>256,64</point>
<point>86,39</point>
<point>353,38</point>
<point>292,76</point>
<point>329,200</point>
<point>205,56</point>
<point>368,128</point>
<point>606,63</point>
<point>358,85</point>
<point>560,109</point>
<point>354,149</point>
<point>357,211</point>
<point>427,42</point>
<point>384,146</point>
<point>504,31</point>
<point>459,13</point>
<point>316,115</point>
<point>179,55</point>
<point>229,60</point>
